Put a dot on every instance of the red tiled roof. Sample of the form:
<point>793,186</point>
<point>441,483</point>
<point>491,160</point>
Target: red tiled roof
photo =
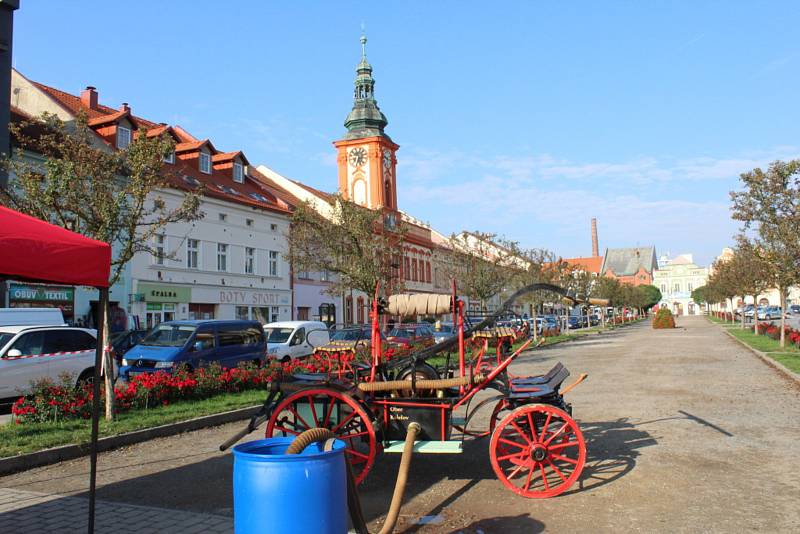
<point>253,192</point>
<point>73,104</point>
<point>183,135</point>
<point>272,187</point>
<point>328,197</point>
<point>193,145</point>
<point>111,117</point>
<point>589,264</point>
<point>228,156</point>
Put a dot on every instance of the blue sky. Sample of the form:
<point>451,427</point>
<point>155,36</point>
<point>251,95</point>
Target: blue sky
<point>520,118</point>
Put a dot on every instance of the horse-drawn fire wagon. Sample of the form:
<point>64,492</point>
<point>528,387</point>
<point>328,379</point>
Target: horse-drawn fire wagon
<point>535,446</point>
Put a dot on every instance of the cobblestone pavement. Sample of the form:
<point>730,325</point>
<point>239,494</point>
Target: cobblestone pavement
<point>686,431</point>
<point>30,512</point>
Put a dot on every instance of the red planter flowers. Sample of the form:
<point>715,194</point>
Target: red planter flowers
<point>50,402</point>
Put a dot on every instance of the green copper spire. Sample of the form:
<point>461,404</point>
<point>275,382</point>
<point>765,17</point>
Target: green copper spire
<point>365,119</point>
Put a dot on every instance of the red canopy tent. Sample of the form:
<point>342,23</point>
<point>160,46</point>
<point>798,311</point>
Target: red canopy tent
<point>35,251</point>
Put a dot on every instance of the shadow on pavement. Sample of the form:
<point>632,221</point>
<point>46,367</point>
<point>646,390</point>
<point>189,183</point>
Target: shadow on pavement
<point>515,523</point>
<point>611,451</point>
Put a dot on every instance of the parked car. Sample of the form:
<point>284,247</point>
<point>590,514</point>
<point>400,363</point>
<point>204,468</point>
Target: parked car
<point>411,337</point>
<point>290,340</point>
<point>30,353</point>
<point>122,342</point>
<point>578,321</point>
<point>794,309</point>
<point>442,332</point>
<point>747,310</point>
<point>195,343</point>
<point>31,316</point>
<point>769,313</point>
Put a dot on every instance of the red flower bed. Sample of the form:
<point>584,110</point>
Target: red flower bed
<point>57,402</point>
<point>774,332</point>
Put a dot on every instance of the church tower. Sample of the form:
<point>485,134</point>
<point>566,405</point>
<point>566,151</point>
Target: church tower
<point>366,155</point>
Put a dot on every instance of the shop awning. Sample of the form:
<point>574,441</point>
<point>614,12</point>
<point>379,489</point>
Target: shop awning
<point>35,251</point>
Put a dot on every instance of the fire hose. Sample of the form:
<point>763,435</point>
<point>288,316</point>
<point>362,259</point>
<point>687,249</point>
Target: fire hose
<point>315,435</point>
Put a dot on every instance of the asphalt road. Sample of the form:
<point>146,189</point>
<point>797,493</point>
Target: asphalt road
<point>686,431</point>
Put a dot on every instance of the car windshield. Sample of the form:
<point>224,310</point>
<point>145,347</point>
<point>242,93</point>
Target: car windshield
<point>401,332</point>
<point>5,337</point>
<point>349,335</point>
<point>278,335</point>
<point>169,335</point>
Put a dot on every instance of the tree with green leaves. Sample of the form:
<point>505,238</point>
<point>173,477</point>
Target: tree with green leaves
<point>769,205</point>
<point>483,265</point>
<point>651,296</point>
<point>539,266</point>
<point>751,274</point>
<point>350,241</point>
<point>60,173</point>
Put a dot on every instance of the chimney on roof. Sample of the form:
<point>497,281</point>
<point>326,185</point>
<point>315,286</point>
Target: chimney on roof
<point>89,97</point>
<point>124,107</point>
<point>595,245</point>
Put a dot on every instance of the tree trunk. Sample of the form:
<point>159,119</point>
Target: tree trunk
<point>755,315</point>
<point>533,322</point>
<point>108,366</point>
<point>743,305</point>
<point>783,317</point>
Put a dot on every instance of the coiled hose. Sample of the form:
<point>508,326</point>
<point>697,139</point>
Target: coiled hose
<point>315,435</point>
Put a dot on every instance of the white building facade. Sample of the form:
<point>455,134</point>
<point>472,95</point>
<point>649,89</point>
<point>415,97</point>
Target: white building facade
<point>677,278</point>
<point>228,265</point>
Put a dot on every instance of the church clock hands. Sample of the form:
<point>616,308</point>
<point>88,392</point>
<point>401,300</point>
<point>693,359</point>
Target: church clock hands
<point>358,157</point>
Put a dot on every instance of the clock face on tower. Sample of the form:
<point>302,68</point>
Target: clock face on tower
<point>387,159</point>
<point>357,157</point>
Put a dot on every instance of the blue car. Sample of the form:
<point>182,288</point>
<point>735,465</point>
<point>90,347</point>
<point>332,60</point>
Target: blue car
<point>195,343</point>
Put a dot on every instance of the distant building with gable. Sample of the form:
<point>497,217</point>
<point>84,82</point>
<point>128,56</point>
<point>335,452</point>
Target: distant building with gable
<point>633,266</point>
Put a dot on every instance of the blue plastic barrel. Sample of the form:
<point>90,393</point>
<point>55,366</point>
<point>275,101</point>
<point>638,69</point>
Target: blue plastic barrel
<point>282,493</point>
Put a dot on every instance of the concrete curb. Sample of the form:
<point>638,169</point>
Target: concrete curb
<point>778,366</point>
<point>29,460</point>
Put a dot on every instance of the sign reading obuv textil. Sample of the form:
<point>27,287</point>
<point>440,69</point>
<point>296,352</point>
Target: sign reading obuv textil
<point>39,293</point>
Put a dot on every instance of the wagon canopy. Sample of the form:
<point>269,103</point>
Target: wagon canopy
<point>35,251</point>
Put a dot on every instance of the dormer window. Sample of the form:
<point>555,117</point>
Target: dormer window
<point>205,163</point>
<point>238,173</point>
<point>170,158</point>
<point>123,137</point>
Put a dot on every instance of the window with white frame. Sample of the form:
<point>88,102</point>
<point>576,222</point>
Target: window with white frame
<point>205,163</point>
<point>248,222</point>
<point>238,173</point>
<point>677,288</point>
<point>170,158</point>
<point>275,313</point>
<point>324,276</point>
<point>223,217</point>
<point>123,137</point>
<point>222,257</point>
<point>689,287</point>
<point>160,242</point>
<point>273,263</point>
<point>249,260</point>
<point>273,227</point>
<point>192,253</point>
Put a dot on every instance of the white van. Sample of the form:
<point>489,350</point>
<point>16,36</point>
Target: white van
<point>30,353</point>
<point>289,340</point>
<point>31,316</point>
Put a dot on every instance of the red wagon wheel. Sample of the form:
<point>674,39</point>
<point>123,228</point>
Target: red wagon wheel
<point>537,451</point>
<point>336,411</point>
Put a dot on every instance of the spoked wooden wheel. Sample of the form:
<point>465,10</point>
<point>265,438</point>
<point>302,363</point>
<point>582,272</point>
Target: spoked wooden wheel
<point>537,451</point>
<point>336,411</point>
